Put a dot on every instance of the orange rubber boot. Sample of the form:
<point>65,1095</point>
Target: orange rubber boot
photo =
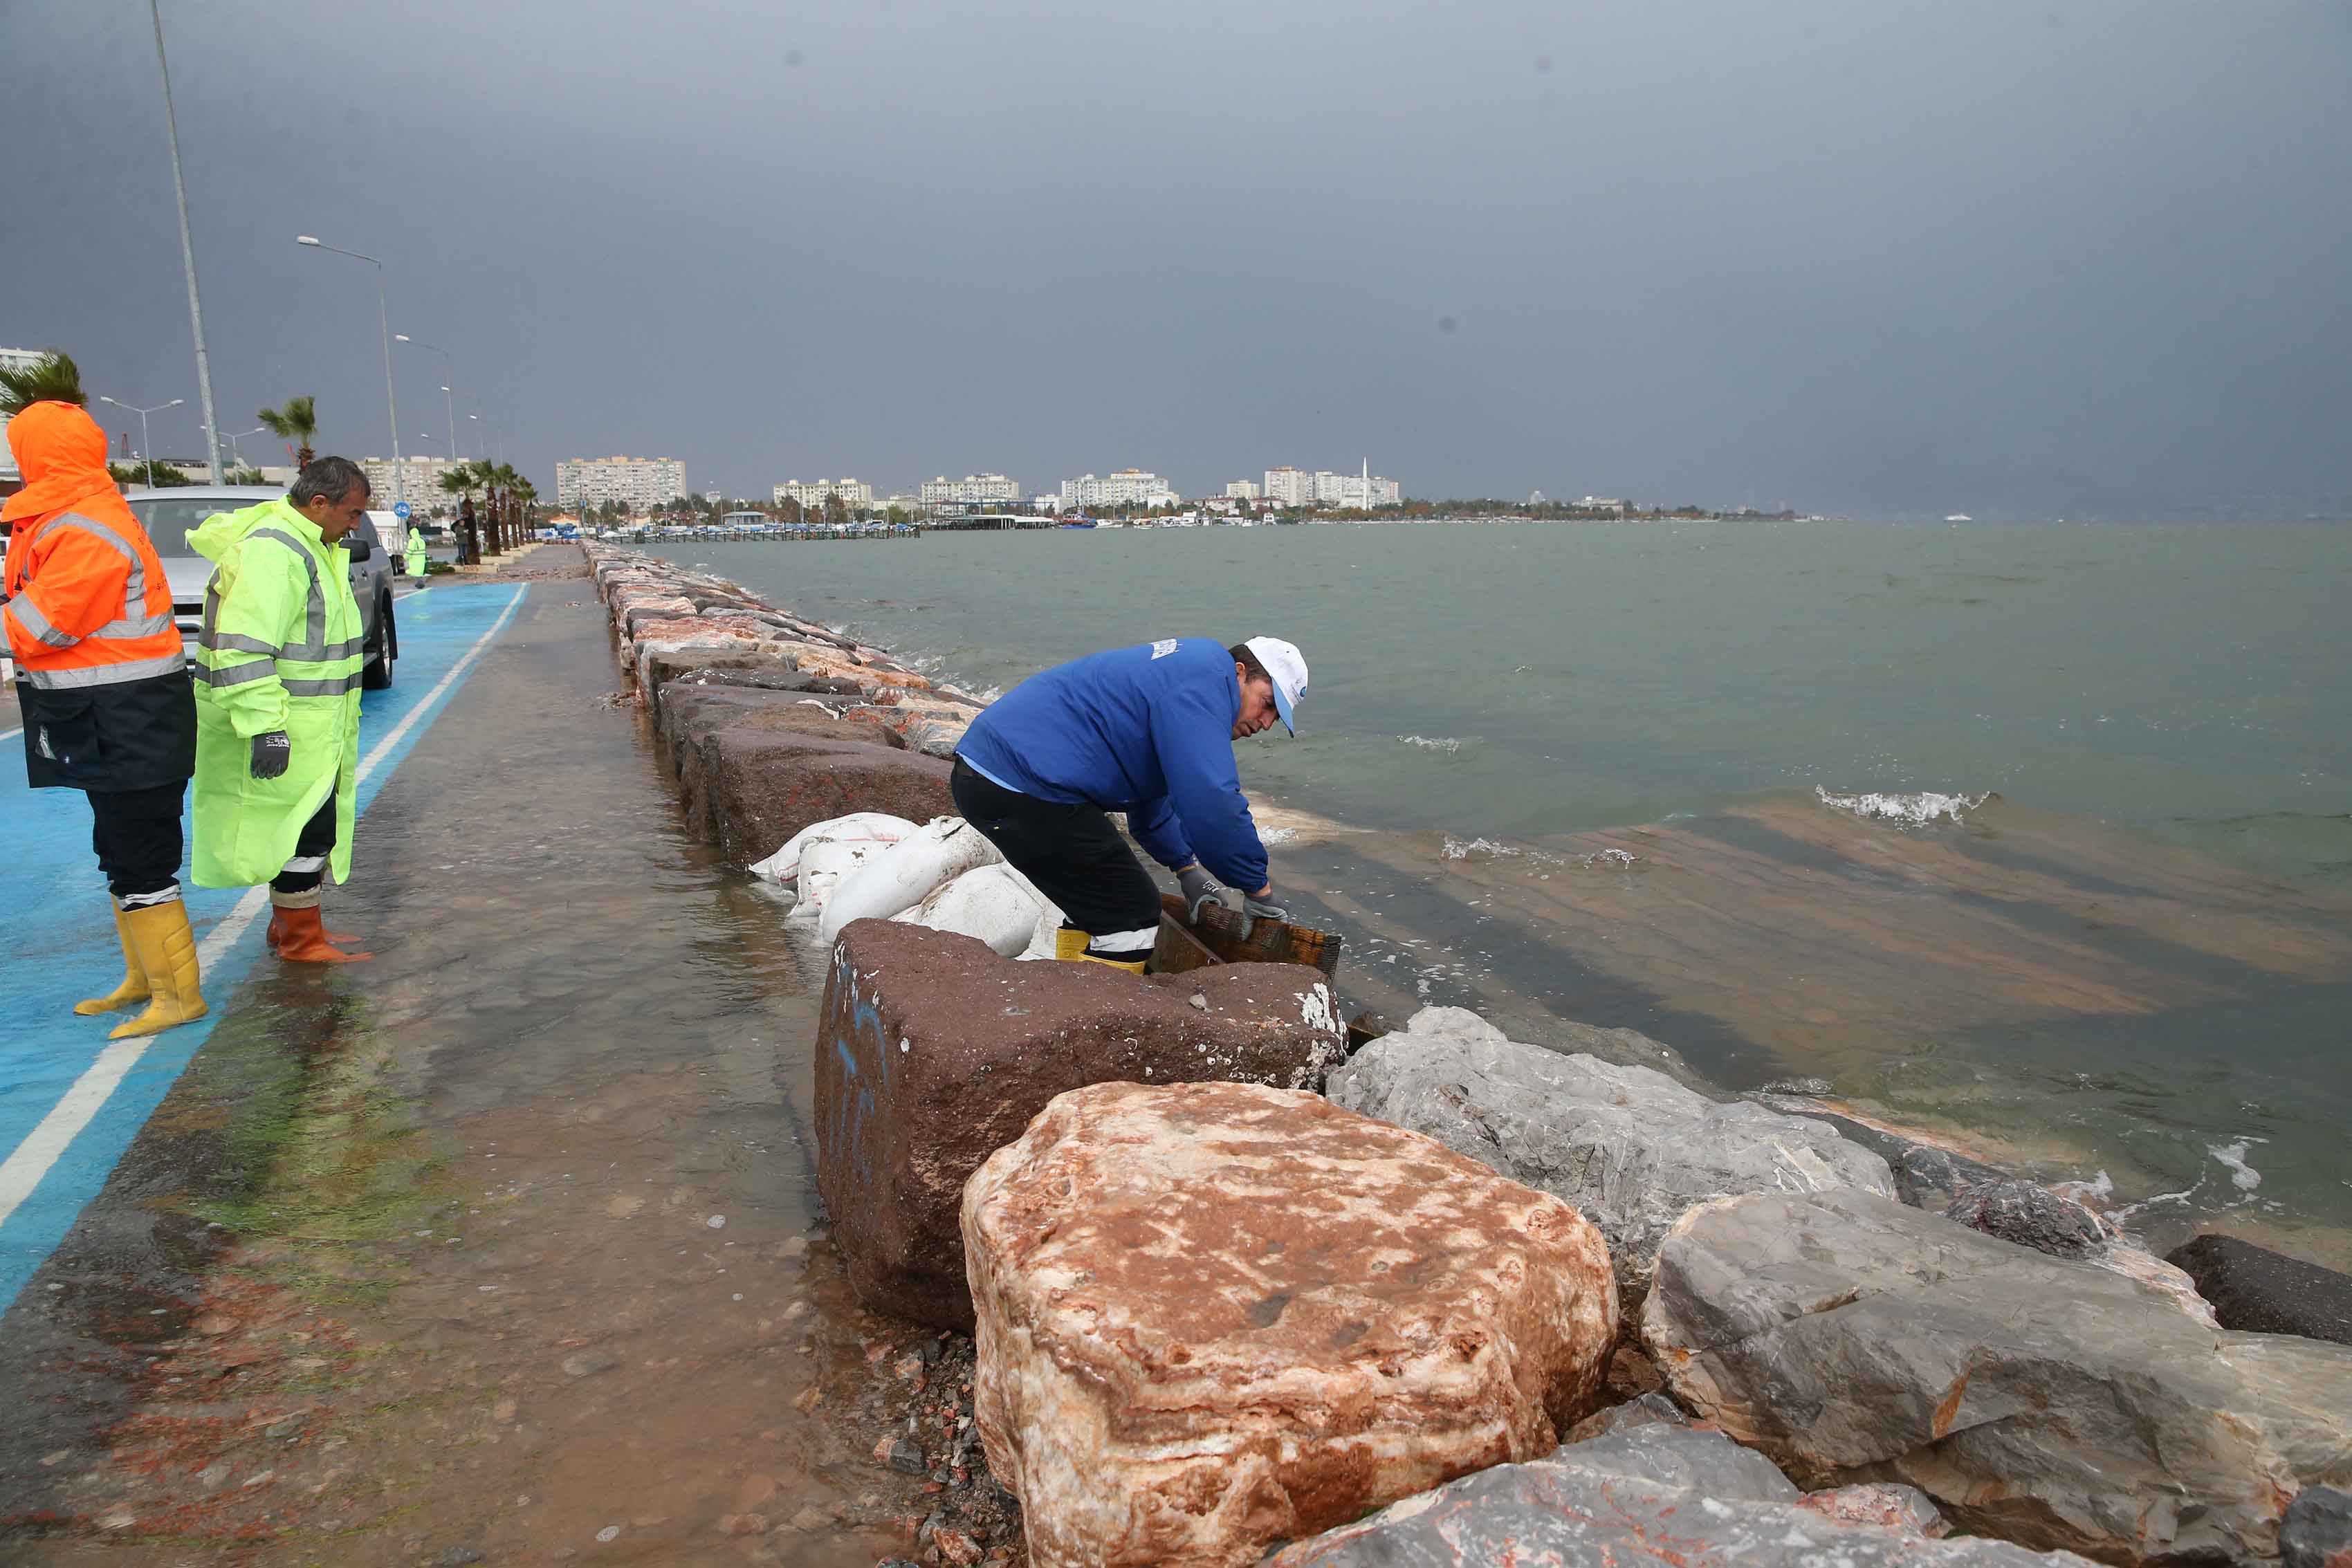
<point>302,939</point>
<point>275,931</point>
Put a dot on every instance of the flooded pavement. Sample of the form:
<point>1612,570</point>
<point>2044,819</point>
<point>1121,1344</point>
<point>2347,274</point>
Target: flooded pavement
<point>501,1244</point>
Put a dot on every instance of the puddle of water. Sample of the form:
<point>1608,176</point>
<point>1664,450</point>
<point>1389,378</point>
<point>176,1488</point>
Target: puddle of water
<point>529,1242</point>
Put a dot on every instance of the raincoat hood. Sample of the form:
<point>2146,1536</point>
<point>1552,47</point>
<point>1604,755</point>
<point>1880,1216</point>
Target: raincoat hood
<point>214,536</point>
<point>61,452</point>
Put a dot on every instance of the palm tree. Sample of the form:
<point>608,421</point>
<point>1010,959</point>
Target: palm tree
<point>526,499</point>
<point>462,480</point>
<point>504,481</point>
<point>52,377</point>
<point>298,422</point>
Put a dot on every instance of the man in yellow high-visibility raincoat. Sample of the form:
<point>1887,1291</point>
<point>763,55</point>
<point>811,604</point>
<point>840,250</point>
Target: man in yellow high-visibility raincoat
<point>277,702</point>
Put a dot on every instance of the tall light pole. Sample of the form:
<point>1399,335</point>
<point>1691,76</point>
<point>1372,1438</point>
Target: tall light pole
<point>384,320</point>
<point>188,255</point>
<point>477,419</point>
<point>235,458</point>
<point>448,397</point>
<point>144,446</point>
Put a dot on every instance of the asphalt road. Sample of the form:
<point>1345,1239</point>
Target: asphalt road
<point>69,1100</point>
<point>505,1242</point>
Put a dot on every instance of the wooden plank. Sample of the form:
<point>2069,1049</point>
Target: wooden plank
<point>1219,935</point>
<point>1178,949</point>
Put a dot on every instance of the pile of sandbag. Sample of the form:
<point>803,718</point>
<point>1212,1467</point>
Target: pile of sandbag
<point>944,876</point>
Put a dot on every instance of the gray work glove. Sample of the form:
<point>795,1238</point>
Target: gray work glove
<point>1255,909</point>
<point>1199,888</point>
<point>271,753</point>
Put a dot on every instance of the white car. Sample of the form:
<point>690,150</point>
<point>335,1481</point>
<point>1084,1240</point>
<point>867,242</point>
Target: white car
<point>168,515</point>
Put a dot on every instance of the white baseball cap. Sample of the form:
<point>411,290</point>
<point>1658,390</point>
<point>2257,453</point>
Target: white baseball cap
<point>1287,665</point>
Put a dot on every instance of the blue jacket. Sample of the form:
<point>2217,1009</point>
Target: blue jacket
<point>1148,730</point>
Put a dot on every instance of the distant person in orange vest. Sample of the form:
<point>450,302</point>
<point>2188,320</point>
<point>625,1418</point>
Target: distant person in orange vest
<point>104,688</point>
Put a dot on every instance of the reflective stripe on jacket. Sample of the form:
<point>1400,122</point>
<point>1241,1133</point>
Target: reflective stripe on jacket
<point>281,649</point>
<point>88,604</point>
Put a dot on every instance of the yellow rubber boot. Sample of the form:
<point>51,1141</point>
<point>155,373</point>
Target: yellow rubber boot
<point>167,952</point>
<point>1071,945</point>
<point>134,988</point>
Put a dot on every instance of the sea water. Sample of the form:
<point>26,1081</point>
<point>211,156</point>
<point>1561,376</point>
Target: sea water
<point>2038,836</point>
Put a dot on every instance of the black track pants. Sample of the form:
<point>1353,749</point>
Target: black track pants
<point>307,868</point>
<point>1073,856</point>
<point>136,833</point>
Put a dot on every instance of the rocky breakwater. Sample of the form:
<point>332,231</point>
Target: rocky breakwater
<point>1629,1147</point>
<point>770,721</point>
<point>1215,1316</point>
<point>1662,1493</point>
<point>2045,1400</point>
<point>933,1053</point>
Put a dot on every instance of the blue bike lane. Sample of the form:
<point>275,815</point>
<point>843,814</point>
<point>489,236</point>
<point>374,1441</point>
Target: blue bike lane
<point>70,1099</point>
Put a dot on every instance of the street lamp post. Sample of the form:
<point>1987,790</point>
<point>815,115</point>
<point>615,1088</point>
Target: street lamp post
<point>237,458</point>
<point>144,446</point>
<point>187,255</point>
<point>384,320</point>
<point>448,397</point>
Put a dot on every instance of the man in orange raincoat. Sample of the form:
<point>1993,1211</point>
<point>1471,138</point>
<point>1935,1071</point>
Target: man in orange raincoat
<point>104,688</point>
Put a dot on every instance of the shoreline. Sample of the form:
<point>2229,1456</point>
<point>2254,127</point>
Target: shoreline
<point>727,722</point>
<point>1500,878</point>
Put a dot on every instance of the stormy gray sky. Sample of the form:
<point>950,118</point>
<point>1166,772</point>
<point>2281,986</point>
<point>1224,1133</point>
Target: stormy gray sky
<point>1864,254</point>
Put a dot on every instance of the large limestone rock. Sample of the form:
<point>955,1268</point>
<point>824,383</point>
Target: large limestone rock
<point>1214,1316</point>
<point>1629,1147</point>
<point>754,766</point>
<point>934,1052</point>
<point>2051,1402</point>
<point>1661,1494</point>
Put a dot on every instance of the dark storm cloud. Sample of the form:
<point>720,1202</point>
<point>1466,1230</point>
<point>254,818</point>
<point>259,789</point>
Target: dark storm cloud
<point>1858,255</point>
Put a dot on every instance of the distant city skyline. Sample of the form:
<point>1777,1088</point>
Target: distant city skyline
<point>2063,260</point>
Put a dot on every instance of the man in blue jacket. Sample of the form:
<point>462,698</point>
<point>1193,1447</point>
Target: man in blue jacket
<point>1146,730</point>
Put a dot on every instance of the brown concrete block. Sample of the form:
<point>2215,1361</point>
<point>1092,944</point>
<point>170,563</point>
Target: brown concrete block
<point>933,1053</point>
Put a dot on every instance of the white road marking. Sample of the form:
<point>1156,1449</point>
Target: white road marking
<point>65,1122</point>
<point>32,1159</point>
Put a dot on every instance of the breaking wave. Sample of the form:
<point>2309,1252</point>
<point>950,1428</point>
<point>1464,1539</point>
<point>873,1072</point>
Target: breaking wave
<point>1431,743</point>
<point>1907,810</point>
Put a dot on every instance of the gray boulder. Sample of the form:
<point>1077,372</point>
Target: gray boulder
<point>1629,1147</point>
<point>1656,1494</point>
<point>2255,1288</point>
<point>2032,1215</point>
<point>2318,1532</point>
<point>2050,1402</point>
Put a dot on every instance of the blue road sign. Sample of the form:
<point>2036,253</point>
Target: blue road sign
<point>399,510</point>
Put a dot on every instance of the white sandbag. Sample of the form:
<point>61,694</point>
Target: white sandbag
<point>994,902</point>
<point>1042,940</point>
<point>823,864</point>
<point>903,873</point>
<point>784,865</point>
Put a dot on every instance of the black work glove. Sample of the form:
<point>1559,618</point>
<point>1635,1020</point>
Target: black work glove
<point>271,753</point>
<point>1255,909</point>
<point>1199,888</point>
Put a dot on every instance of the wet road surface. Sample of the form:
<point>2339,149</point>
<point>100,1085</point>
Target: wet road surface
<point>501,1243</point>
